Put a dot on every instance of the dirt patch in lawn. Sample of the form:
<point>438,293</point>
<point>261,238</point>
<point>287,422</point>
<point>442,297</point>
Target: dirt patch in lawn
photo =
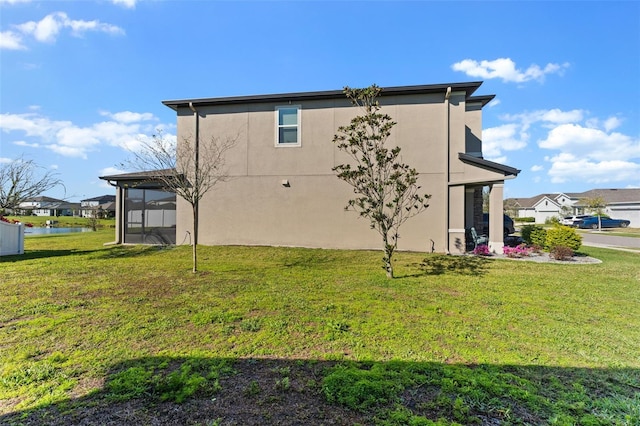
<point>259,392</point>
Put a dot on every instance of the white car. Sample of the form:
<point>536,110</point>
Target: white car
<point>573,220</point>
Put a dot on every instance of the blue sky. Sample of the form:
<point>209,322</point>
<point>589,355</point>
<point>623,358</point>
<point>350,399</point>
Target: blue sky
<point>81,82</point>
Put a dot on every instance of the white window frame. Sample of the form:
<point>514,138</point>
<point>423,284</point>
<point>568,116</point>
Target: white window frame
<point>298,143</point>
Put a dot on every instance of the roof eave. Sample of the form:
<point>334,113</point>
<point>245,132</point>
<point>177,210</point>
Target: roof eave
<point>469,88</point>
<point>486,164</point>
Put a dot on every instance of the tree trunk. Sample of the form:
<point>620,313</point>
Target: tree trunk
<point>195,238</point>
<point>388,254</point>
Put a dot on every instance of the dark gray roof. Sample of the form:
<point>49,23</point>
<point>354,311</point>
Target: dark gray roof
<point>43,199</point>
<point>469,88</point>
<point>612,195</point>
<point>152,179</point>
<point>532,201</point>
<point>137,176</point>
<point>101,198</point>
<point>483,99</point>
<point>490,165</point>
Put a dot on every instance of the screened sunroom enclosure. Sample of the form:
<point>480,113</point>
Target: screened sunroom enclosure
<point>150,216</point>
<point>146,212</point>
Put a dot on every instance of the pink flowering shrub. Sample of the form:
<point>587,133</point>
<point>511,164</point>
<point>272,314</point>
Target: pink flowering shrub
<point>482,250</point>
<point>13,221</point>
<point>517,251</point>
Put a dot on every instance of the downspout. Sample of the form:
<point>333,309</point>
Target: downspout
<point>196,213</point>
<point>446,172</point>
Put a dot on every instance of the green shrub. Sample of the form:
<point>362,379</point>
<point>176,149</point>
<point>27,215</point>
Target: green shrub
<point>534,235</point>
<point>553,220</point>
<point>562,236</point>
<point>525,219</point>
<point>561,253</point>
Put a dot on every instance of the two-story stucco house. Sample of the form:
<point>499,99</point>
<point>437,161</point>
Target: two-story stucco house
<point>103,206</point>
<point>283,191</point>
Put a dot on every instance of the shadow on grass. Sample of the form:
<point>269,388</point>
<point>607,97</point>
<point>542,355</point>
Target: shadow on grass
<point>120,251</point>
<point>41,254</point>
<point>439,264</point>
<point>222,391</point>
<point>106,253</point>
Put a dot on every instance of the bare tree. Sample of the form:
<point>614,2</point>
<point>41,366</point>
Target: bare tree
<point>386,189</point>
<point>190,169</point>
<point>22,179</point>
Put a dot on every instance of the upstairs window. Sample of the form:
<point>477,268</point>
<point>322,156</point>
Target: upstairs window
<point>288,125</point>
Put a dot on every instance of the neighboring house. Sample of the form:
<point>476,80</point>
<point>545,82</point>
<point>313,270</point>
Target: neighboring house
<point>103,206</point>
<point>543,206</point>
<point>47,206</point>
<point>620,204</point>
<point>283,191</point>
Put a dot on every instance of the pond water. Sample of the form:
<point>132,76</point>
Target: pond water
<point>28,232</point>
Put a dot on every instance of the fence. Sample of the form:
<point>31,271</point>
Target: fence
<point>11,238</point>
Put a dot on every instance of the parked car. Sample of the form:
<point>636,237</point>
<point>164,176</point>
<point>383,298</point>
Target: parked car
<point>509,228</point>
<point>573,220</point>
<point>591,222</point>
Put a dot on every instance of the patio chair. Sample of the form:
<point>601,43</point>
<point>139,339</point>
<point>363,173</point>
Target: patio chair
<point>477,240</point>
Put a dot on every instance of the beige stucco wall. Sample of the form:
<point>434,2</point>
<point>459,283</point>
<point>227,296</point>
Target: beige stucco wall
<point>255,208</point>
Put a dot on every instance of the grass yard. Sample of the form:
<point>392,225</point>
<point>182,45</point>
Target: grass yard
<point>63,221</point>
<point>94,334</point>
<point>619,232</point>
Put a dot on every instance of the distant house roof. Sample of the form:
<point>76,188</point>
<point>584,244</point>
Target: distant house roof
<point>43,199</point>
<point>613,196</point>
<point>610,196</point>
<point>529,203</point>
<point>468,88</point>
<point>101,198</point>
<point>109,206</point>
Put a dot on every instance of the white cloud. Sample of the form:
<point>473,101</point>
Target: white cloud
<point>495,140</point>
<point>108,171</point>
<point>591,154</point>
<point>505,69</point>
<point>607,125</point>
<point>583,149</point>
<point>582,169</point>
<point>612,123</point>
<point>129,4</point>
<point>547,117</point>
<point>594,144</point>
<point>49,28</point>
<point>27,144</point>
<point>11,41</point>
<point>502,159</point>
<point>129,117</point>
<point>70,140</point>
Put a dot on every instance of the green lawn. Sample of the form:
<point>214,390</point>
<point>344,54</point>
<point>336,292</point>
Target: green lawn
<point>619,232</point>
<point>63,221</point>
<point>87,328</point>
